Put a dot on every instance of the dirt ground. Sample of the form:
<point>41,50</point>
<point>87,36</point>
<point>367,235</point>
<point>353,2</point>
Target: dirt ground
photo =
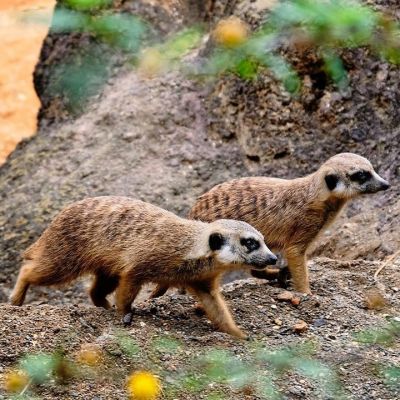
<point>19,48</point>
<point>334,316</point>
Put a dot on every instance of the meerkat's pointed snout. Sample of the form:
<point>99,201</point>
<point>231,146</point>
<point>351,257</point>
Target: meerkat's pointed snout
<point>261,264</point>
<point>381,184</point>
<point>272,259</point>
<point>376,184</point>
<point>385,186</point>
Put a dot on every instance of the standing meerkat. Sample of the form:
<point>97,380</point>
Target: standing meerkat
<point>290,213</point>
<point>126,243</point>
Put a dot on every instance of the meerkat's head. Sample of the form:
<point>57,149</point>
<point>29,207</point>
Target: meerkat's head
<point>348,175</point>
<point>236,242</point>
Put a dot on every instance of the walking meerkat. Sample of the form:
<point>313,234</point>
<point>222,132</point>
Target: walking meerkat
<point>290,213</point>
<point>126,243</point>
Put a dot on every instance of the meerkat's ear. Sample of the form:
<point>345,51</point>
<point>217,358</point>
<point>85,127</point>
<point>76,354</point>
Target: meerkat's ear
<point>216,240</point>
<point>331,181</point>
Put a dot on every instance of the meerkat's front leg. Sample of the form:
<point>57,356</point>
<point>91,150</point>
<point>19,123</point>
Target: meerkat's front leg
<point>215,307</point>
<point>297,263</point>
<point>125,294</point>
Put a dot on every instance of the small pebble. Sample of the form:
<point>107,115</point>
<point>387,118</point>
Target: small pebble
<point>319,322</point>
<point>295,301</point>
<point>300,326</point>
<point>374,300</point>
<point>285,296</point>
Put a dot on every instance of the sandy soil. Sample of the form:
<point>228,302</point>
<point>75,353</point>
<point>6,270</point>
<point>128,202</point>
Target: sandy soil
<point>19,48</point>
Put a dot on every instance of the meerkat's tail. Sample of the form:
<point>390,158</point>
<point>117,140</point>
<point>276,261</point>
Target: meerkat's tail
<point>23,282</point>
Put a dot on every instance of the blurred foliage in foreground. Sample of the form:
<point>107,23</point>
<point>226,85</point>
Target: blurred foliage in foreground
<point>325,27</point>
<point>166,367</point>
<point>386,336</point>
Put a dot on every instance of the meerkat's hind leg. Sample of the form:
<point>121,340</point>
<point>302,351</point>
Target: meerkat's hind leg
<point>126,292</point>
<point>22,285</point>
<point>216,308</point>
<point>102,286</point>
<point>159,291</point>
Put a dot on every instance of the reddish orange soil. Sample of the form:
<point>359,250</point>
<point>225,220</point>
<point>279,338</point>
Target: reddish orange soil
<point>21,39</point>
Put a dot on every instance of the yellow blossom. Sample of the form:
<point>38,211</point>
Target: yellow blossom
<point>89,354</point>
<point>151,62</point>
<point>15,381</point>
<point>143,385</point>
<point>231,32</point>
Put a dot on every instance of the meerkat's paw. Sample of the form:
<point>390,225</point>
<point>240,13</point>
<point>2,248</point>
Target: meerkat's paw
<point>250,338</point>
<point>199,310</point>
<point>239,334</point>
<point>127,318</point>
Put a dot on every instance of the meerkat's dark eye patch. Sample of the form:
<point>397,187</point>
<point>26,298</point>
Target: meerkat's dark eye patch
<point>250,244</point>
<point>216,241</point>
<point>331,181</point>
<point>361,176</point>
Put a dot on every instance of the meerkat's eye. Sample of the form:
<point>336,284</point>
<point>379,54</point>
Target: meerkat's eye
<point>216,241</point>
<point>250,244</point>
<point>360,176</point>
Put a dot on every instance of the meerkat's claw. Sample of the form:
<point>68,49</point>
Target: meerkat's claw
<point>127,318</point>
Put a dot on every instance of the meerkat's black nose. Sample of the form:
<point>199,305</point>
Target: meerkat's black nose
<point>385,186</point>
<point>271,260</point>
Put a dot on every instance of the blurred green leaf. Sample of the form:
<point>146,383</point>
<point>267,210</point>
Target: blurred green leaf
<point>122,30</point>
<point>193,383</point>
<point>219,62</point>
<point>267,389</point>
<point>181,43</point>
<point>385,335</point>
<point>65,20</point>
<point>88,5</point>
<point>283,71</point>
<point>38,367</point>
<point>334,68</point>
<point>79,78</point>
<point>216,396</point>
<point>247,69</point>
<point>279,360</point>
<point>221,366</point>
<point>166,344</point>
<point>313,369</point>
<point>127,344</point>
<point>391,375</point>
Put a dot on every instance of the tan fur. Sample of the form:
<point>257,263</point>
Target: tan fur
<point>289,213</point>
<point>125,243</point>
